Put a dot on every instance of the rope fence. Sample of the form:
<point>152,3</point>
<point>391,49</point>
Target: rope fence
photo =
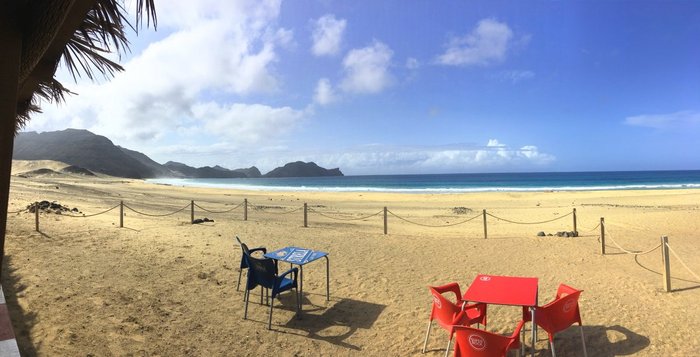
<point>665,258</point>
<point>155,214</point>
<point>604,233</point>
<point>434,225</point>
<point>306,210</point>
<point>219,212</point>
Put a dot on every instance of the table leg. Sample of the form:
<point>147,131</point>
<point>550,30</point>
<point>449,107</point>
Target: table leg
<point>328,284</point>
<point>301,280</point>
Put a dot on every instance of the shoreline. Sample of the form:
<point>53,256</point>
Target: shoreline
<point>198,183</point>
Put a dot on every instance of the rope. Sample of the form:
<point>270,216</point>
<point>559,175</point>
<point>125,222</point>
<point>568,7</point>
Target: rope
<point>20,211</point>
<point>516,222</point>
<point>210,211</point>
<point>607,235</point>
<point>345,219</point>
<point>434,226</point>
<point>682,262</point>
<point>260,208</point>
<point>89,215</point>
<point>158,215</point>
<point>591,230</point>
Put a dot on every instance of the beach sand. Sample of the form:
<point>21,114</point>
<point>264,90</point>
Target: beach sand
<point>161,286</point>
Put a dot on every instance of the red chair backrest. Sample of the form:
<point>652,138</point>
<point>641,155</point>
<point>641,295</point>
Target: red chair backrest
<point>560,313</point>
<point>443,310</point>
<point>471,342</point>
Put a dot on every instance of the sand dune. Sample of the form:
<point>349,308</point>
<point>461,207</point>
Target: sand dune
<point>162,287</point>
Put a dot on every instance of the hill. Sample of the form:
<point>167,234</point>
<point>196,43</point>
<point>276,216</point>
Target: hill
<point>88,153</point>
<point>302,169</point>
<point>80,148</point>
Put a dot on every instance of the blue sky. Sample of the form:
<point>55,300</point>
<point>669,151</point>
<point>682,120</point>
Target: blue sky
<point>390,87</point>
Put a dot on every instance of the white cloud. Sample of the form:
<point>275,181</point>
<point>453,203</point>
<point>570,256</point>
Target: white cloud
<point>488,43</point>
<point>682,119</point>
<point>324,93</point>
<point>246,124</point>
<point>327,35</point>
<point>204,49</point>
<point>514,76</point>
<point>376,159</point>
<point>367,69</point>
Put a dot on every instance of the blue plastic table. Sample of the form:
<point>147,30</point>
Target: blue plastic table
<point>300,257</point>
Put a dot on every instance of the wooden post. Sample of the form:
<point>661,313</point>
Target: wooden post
<point>667,264</point>
<point>386,228</point>
<point>245,209</point>
<point>36,215</point>
<point>121,214</point>
<point>602,235</point>
<point>485,231</point>
<point>306,221</point>
<point>575,230</point>
<point>192,212</point>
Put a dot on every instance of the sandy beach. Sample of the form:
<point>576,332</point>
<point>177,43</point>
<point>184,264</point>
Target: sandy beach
<point>161,286</point>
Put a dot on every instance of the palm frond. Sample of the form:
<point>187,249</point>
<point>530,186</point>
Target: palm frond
<point>100,33</point>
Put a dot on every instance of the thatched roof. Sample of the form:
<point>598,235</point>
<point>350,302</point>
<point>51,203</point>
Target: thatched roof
<point>79,32</point>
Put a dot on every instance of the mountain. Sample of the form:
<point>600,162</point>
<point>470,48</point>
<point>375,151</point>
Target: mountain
<point>302,169</point>
<point>158,170</point>
<point>204,172</point>
<point>80,148</point>
<point>89,152</point>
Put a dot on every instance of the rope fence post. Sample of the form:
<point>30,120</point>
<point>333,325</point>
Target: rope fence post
<point>575,230</point>
<point>121,214</point>
<point>386,228</point>
<point>36,216</point>
<point>192,212</point>
<point>306,217</point>
<point>602,235</point>
<point>485,230</point>
<point>245,209</point>
<point>667,264</point>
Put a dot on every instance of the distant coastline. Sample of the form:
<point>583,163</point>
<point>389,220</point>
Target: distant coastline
<point>460,183</point>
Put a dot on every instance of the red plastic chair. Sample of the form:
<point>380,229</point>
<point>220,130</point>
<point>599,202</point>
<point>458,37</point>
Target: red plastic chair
<point>449,314</point>
<point>559,314</point>
<point>471,342</point>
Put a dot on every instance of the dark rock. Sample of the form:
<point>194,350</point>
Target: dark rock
<point>202,220</point>
<point>540,234</point>
<point>461,210</point>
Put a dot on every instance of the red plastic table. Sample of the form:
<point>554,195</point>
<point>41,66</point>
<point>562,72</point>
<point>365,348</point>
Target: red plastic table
<point>505,290</point>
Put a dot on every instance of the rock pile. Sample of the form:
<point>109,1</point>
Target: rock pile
<point>566,234</point>
<point>51,207</point>
<point>461,210</point>
<point>202,220</point>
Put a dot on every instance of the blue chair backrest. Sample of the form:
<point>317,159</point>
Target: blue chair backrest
<point>261,272</point>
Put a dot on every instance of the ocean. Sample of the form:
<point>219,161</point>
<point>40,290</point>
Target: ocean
<point>461,183</point>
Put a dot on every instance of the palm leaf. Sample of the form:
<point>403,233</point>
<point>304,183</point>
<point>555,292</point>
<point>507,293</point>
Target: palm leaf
<point>100,33</point>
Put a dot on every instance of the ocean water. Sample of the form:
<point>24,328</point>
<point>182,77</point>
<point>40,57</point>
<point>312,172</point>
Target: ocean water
<point>460,183</point>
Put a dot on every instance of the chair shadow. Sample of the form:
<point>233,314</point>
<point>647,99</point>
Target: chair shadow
<point>22,321</point>
<point>598,341</point>
<point>336,323</point>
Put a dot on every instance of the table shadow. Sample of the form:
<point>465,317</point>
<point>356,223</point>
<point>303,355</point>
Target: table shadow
<point>336,323</point>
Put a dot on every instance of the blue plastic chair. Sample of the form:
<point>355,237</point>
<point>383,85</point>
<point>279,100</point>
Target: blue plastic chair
<point>244,264</point>
<point>263,272</point>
